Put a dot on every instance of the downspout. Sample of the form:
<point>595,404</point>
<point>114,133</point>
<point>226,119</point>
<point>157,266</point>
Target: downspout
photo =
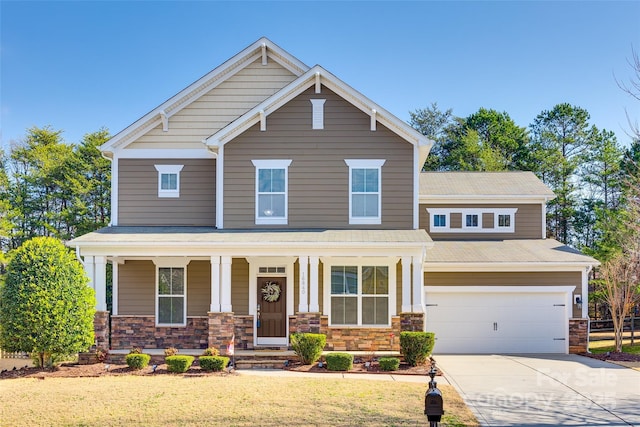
<point>78,255</point>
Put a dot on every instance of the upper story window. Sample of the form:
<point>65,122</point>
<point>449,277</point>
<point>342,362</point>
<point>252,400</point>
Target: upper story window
<point>472,220</point>
<point>271,191</point>
<point>440,221</point>
<point>504,220</point>
<point>169,180</point>
<point>171,301</point>
<point>365,191</point>
<point>460,220</point>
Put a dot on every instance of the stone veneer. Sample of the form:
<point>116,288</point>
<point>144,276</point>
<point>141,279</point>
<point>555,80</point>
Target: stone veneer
<point>578,335</point>
<point>221,330</point>
<point>412,322</point>
<point>101,329</point>
<point>361,338</point>
<point>141,331</point>
<point>305,323</point>
<point>243,326</point>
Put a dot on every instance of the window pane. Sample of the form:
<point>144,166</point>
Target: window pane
<point>169,181</point>
<point>271,205</point>
<point>264,180</point>
<point>371,184</point>
<point>337,280</point>
<point>344,280</point>
<point>344,310</point>
<point>357,180</point>
<point>472,220</point>
<point>351,280</point>
<point>364,205</point>
<point>177,281</point>
<point>504,220</point>
<point>368,280</point>
<point>382,280</point>
<point>440,220</point>
<point>277,180</point>
<point>171,310</point>
<point>164,281</point>
<point>375,310</point>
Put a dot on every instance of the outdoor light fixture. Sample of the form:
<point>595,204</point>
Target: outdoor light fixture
<point>578,300</point>
<point>106,367</point>
<point>154,368</point>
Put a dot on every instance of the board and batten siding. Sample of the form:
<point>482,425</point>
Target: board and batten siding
<point>528,222</point>
<point>218,107</point>
<point>139,204</point>
<point>318,187</point>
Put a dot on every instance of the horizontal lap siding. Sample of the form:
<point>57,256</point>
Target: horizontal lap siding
<point>318,175</point>
<point>198,288</point>
<point>220,106</point>
<point>240,286</point>
<point>528,222</point>
<point>136,288</point>
<point>139,204</point>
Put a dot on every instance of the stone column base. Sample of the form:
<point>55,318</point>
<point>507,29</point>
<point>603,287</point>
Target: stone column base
<point>305,323</point>
<point>578,336</point>
<point>221,330</point>
<point>101,329</point>
<point>412,322</point>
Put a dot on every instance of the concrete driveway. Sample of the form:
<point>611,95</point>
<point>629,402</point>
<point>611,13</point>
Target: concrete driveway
<point>544,390</point>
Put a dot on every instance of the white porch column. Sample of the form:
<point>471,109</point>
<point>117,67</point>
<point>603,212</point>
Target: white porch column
<point>215,285</point>
<point>225,284</point>
<point>114,286</point>
<point>418,288</point>
<point>585,292</point>
<point>314,307</point>
<point>89,268</point>
<point>100,282</point>
<point>406,284</point>
<point>303,305</point>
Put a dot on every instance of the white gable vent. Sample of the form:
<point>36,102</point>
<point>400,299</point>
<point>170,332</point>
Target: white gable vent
<point>318,113</point>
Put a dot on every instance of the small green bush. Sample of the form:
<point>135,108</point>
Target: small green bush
<point>213,363</point>
<point>211,351</point>
<point>416,346</point>
<point>171,351</point>
<point>308,347</point>
<point>178,363</point>
<point>137,360</point>
<point>339,361</point>
<point>389,363</point>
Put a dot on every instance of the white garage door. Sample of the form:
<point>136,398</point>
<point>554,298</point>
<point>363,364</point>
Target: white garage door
<point>498,320</point>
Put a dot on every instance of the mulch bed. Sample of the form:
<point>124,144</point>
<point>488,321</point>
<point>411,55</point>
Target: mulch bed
<point>614,357</point>
<point>359,367</point>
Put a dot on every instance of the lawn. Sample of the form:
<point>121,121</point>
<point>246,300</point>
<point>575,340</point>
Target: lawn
<point>232,400</point>
<point>609,345</point>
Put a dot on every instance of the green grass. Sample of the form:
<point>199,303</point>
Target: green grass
<point>609,345</point>
<point>232,400</point>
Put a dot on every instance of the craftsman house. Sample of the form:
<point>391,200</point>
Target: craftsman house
<point>270,197</point>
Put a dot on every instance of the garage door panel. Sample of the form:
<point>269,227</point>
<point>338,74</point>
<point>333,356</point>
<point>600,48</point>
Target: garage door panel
<point>498,322</point>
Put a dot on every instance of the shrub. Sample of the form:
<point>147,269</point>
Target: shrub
<point>308,347</point>
<point>339,361</point>
<point>46,307</point>
<point>416,346</point>
<point>389,363</point>
<point>171,351</point>
<point>178,363</point>
<point>102,354</point>
<point>137,360</point>
<point>213,363</point>
<point>211,351</point>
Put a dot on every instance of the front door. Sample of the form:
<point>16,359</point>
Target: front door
<point>272,307</point>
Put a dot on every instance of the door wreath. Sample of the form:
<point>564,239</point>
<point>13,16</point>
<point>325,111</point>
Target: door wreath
<point>271,292</point>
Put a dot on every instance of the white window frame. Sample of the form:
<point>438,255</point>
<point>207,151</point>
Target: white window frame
<point>365,164</point>
<point>464,212</point>
<point>432,219</point>
<point>169,170</point>
<point>471,227</point>
<point>390,263</point>
<point>158,296</point>
<point>272,164</point>
<point>511,213</point>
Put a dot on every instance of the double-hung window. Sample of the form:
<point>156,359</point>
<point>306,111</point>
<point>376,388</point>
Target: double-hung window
<point>172,302</point>
<point>169,180</point>
<point>365,191</point>
<point>271,191</point>
<point>360,295</point>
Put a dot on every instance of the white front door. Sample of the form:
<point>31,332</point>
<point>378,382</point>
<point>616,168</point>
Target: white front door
<point>522,320</point>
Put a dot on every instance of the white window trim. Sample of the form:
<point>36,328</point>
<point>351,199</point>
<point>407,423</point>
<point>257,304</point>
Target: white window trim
<point>273,164</point>
<point>169,169</point>
<point>463,212</point>
<point>390,263</point>
<point>184,296</point>
<point>365,164</point>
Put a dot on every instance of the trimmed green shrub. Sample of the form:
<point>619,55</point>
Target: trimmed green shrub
<point>339,361</point>
<point>389,363</point>
<point>178,363</point>
<point>46,307</point>
<point>213,363</point>
<point>211,351</point>
<point>416,346</point>
<point>308,347</point>
<point>137,360</point>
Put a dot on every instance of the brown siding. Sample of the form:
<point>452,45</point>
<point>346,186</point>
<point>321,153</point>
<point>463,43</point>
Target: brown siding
<point>240,286</point>
<point>136,288</point>
<point>198,288</point>
<point>139,204</point>
<point>528,222</point>
<point>318,175</point>
<point>545,278</point>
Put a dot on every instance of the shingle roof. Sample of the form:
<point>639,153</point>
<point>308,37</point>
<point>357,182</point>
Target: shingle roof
<point>505,251</point>
<point>456,184</point>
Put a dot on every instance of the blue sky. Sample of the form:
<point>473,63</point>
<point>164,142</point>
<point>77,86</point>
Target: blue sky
<point>82,65</point>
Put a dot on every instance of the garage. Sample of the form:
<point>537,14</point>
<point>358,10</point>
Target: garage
<point>499,319</point>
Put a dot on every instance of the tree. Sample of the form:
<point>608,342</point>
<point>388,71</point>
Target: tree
<point>433,123</point>
<point>561,139</point>
<point>46,307</point>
